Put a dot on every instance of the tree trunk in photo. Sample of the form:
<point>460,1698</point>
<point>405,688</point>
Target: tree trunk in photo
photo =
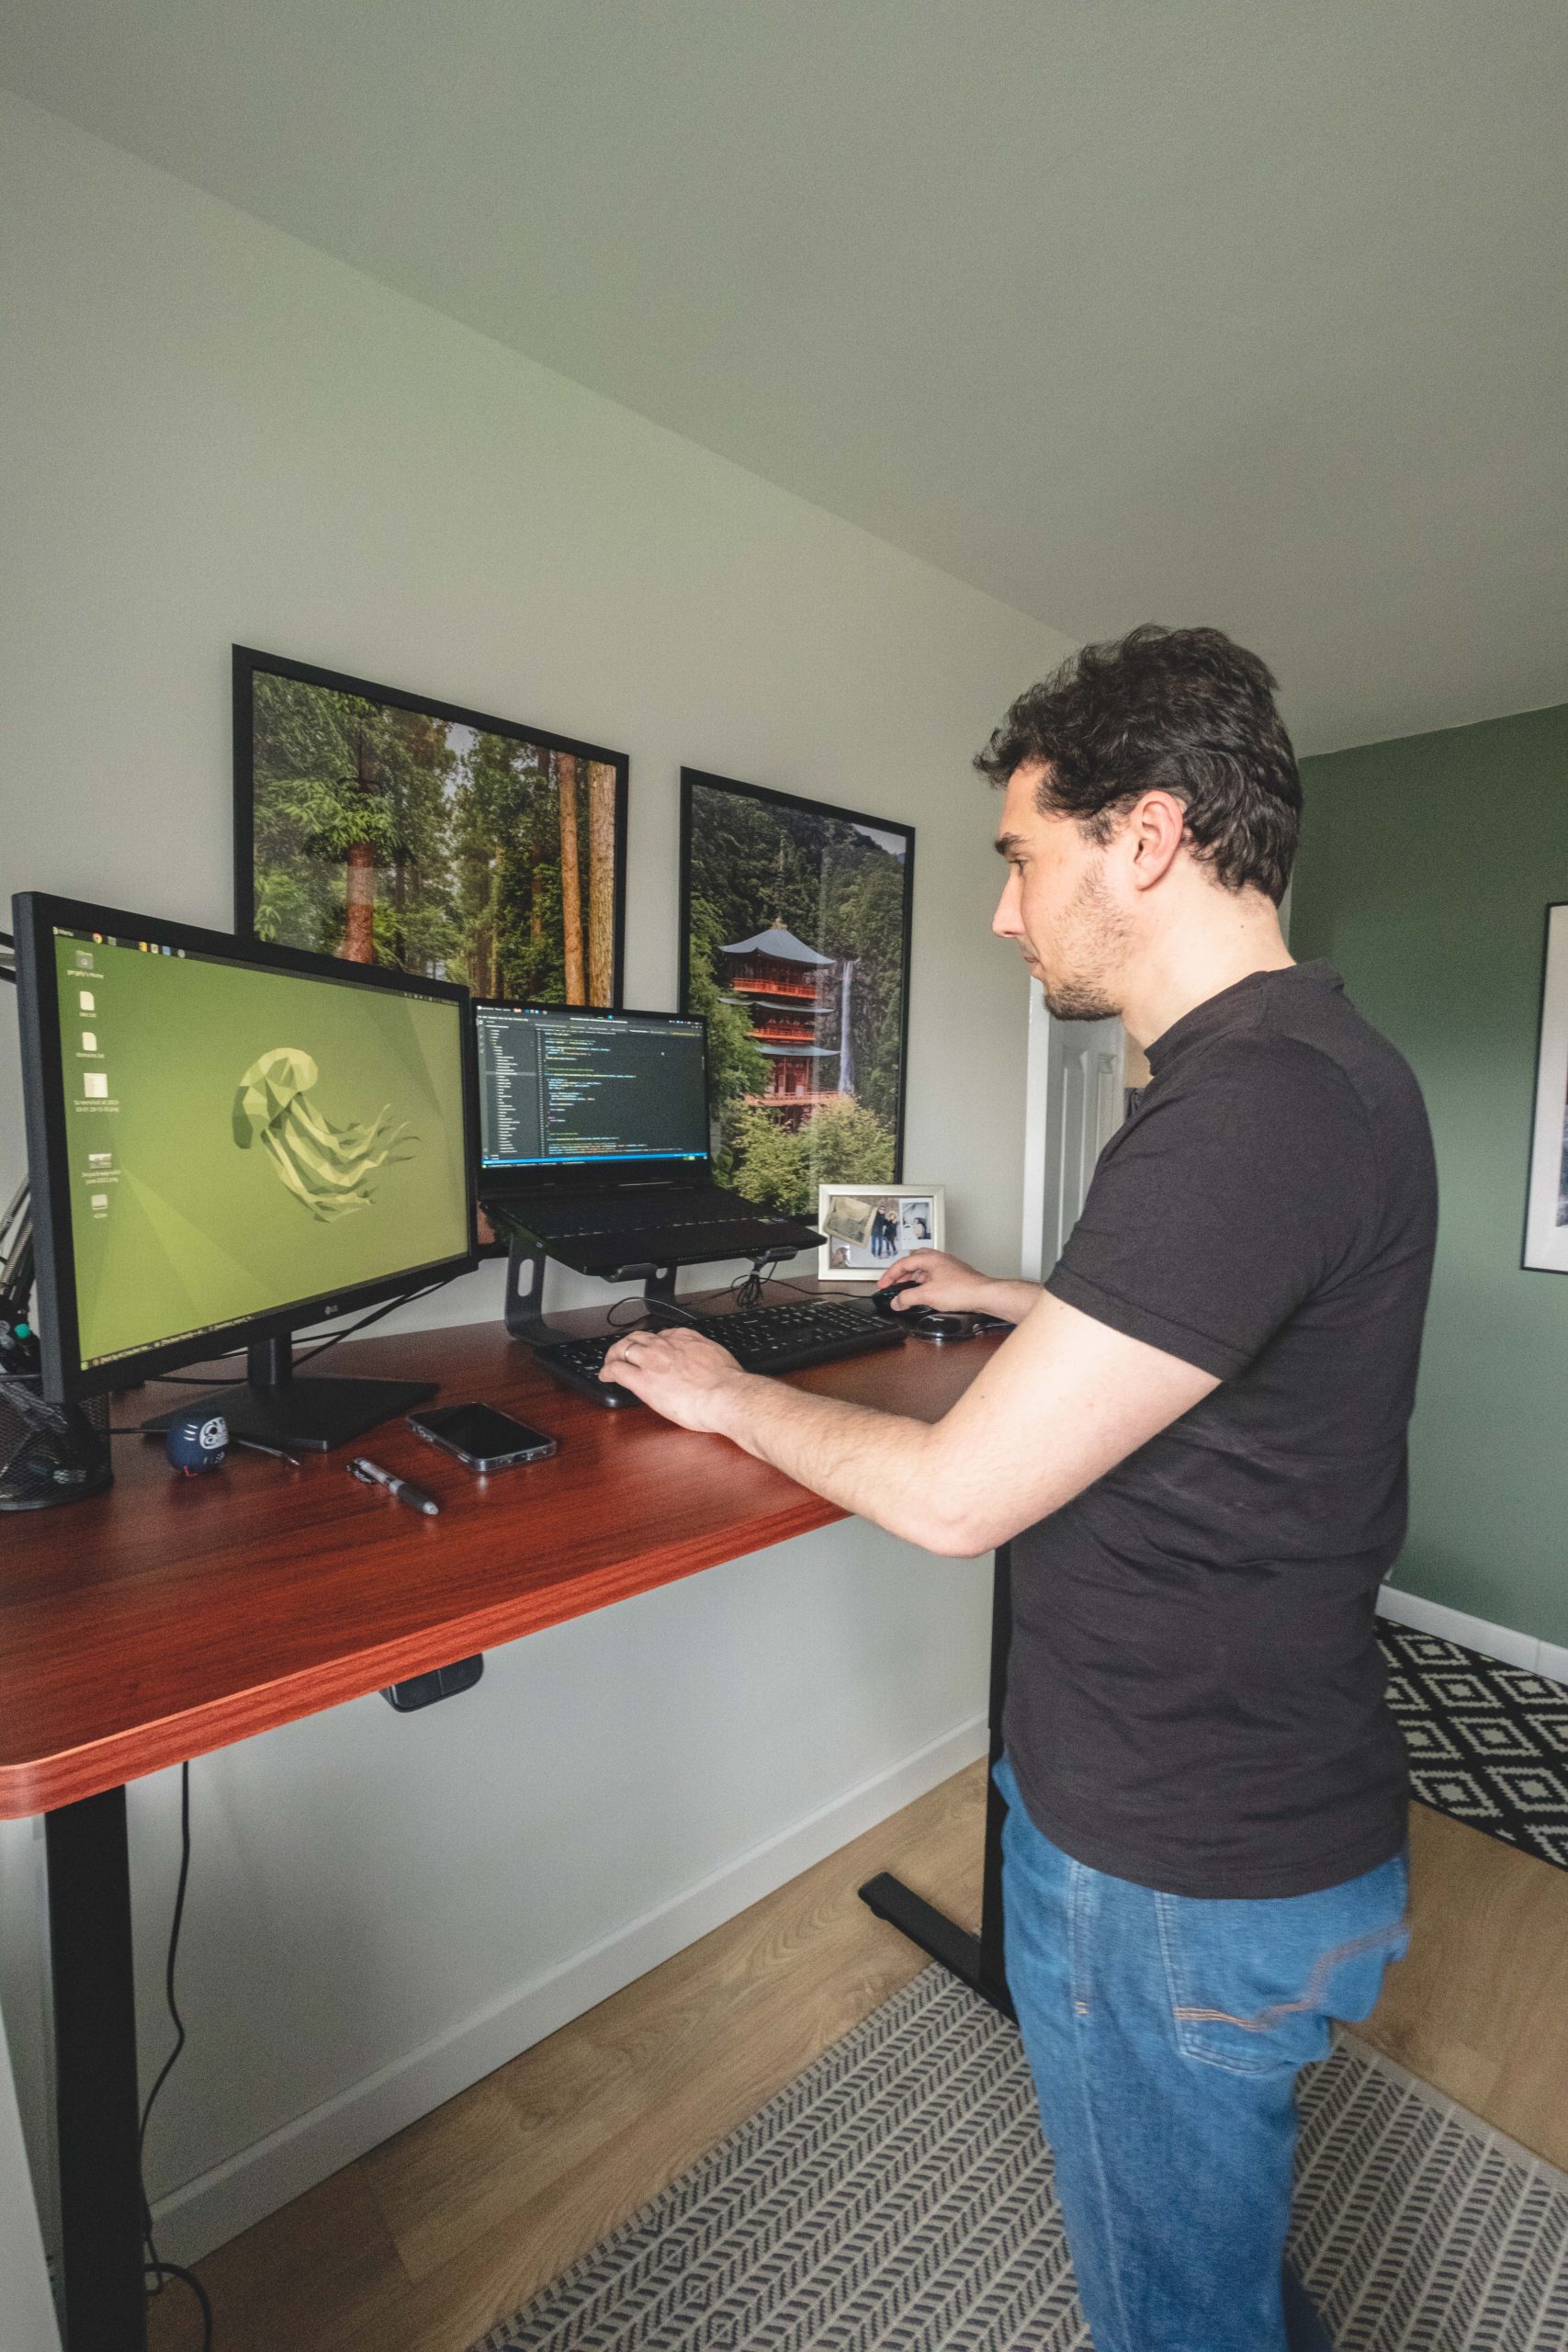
<point>538,833</point>
<point>570,878</point>
<point>601,883</point>
<point>359,905</point>
<point>496,882</point>
<point>400,908</point>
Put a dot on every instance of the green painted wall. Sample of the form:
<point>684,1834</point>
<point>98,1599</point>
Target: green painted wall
<point>1426,870</point>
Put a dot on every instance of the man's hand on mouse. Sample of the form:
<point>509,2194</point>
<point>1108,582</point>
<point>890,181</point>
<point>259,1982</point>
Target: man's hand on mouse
<point>952,1287</point>
<point>681,1375</point>
<point>936,1280</point>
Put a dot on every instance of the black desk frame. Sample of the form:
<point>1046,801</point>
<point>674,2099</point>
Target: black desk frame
<point>96,2101</point>
<point>979,1961</point>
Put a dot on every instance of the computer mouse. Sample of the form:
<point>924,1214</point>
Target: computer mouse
<point>881,1300</point>
<point>610,1392</point>
<point>937,1323</point>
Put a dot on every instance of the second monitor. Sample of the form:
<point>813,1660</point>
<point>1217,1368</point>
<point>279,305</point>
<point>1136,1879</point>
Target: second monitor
<point>593,1141</point>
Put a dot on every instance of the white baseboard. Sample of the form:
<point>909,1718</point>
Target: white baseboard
<point>216,2206</point>
<point>1500,1642</point>
<point>27,2323</point>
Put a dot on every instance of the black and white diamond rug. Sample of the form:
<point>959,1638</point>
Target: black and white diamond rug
<point>1487,1743</point>
<point>898,2197</point>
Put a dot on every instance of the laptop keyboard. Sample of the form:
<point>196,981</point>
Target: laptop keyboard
<point>767,1339</point>
<point>636,1211</point>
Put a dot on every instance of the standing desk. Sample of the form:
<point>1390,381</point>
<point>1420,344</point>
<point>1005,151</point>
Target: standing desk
<point>171,1617</point>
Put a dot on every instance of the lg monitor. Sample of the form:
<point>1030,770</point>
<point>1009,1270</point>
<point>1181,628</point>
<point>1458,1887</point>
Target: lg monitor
<point>229,1142</point>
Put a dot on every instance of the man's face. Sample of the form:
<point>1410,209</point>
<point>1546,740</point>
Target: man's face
<point>1057,905</point>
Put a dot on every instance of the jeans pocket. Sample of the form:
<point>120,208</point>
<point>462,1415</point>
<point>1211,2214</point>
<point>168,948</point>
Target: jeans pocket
<point>1254,1984</point>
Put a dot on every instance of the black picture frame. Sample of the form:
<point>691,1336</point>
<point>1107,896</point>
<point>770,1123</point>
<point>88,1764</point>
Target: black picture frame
<point>248,664</point>
<point>806,812</point>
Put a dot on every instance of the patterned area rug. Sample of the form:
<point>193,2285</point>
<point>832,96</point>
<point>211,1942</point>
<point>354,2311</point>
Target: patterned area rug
<point>897,2198</point>
<point>1487,1743</point>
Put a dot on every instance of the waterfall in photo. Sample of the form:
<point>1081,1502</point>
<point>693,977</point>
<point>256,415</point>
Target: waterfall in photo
<point>846,1050</point>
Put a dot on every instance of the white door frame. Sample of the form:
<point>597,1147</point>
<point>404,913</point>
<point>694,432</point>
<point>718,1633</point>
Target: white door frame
<point>1073,1105</point>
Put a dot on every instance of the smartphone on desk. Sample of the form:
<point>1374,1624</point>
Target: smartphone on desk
<point>481,1436</point>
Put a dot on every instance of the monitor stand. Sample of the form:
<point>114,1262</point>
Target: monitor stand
<point>310,1416</point>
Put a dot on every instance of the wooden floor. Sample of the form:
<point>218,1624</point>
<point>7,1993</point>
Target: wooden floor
<point>424,2244</point>
<point>1480,2006</point>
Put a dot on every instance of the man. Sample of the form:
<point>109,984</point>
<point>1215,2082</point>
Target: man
<point>1195,1442</point>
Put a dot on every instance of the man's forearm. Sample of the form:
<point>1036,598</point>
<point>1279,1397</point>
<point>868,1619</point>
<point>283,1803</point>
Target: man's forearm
<point>1011,1301</point>
<point>878,1465</point>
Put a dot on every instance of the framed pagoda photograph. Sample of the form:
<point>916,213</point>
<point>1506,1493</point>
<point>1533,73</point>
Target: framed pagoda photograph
<point>388,827</point>
<point>794,928</point>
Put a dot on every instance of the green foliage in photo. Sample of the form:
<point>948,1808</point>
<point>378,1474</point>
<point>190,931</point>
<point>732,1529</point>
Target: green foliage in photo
<point>840,887</point>
<point>394,837</point>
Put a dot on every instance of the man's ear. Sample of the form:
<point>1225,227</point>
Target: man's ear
<point>1153,830</point>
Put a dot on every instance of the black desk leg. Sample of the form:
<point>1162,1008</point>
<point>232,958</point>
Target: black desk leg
<point>977,1960</point>
<point>95,2056</point>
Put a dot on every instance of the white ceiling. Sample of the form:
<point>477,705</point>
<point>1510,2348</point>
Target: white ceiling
<point>1237,310</point>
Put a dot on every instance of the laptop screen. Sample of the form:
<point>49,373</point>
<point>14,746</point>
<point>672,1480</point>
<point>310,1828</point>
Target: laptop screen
<point>566,1089</point>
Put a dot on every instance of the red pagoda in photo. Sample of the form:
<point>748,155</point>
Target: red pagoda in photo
<point>787,990</point>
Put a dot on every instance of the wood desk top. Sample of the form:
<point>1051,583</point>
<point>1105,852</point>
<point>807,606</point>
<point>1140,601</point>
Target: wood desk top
<point>173,1616</point>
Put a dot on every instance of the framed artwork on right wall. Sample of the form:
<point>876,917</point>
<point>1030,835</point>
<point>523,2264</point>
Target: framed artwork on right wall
<point>1546,1207</point>
<point>796,923</point>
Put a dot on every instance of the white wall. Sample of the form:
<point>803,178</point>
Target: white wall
<point>212,433</point>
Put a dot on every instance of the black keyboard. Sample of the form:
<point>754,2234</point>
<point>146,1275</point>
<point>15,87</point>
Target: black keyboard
<point>764,1338</point>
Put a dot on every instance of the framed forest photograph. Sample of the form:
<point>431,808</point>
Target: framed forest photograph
<point>795,930</point>
<point>388,827</point>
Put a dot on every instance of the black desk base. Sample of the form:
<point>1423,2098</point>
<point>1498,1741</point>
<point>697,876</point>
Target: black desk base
<point>976,1960</point>
<point>96,2096</point>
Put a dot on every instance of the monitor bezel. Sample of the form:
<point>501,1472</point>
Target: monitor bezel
<point>506,1183</point>
<point>36,915</point>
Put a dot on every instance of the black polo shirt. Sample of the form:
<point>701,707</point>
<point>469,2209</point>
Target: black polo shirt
<point>1195,1697</point>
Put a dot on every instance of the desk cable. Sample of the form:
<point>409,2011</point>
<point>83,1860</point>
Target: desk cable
<point>155,2267</point>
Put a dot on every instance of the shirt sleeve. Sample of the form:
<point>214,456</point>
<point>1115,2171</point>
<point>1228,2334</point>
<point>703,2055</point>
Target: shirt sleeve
<point>1223,1203</point>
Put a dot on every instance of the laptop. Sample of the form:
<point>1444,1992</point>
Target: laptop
<point>595,1142</point>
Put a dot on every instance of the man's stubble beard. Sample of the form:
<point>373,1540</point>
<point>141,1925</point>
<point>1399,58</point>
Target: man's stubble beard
<point>1085,984</point>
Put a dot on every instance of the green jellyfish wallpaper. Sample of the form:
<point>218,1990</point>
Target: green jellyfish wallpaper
<point>331,1170</point>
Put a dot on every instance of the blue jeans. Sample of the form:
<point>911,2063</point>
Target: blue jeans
<point>1164,2034</point>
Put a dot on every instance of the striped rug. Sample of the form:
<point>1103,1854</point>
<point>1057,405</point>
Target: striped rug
<point>897,2198</point>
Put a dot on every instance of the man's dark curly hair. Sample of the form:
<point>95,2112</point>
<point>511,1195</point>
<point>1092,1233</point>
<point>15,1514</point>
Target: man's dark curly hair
<point>1181,710</point>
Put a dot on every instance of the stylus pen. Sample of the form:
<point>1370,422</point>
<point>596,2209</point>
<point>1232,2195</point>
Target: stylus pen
<point>372,1474</point>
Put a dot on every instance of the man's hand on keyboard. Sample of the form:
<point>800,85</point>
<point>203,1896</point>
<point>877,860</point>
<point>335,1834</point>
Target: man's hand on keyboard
<point>680,1374</point>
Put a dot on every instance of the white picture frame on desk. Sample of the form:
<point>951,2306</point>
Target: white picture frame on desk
<point>869,1226</point>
